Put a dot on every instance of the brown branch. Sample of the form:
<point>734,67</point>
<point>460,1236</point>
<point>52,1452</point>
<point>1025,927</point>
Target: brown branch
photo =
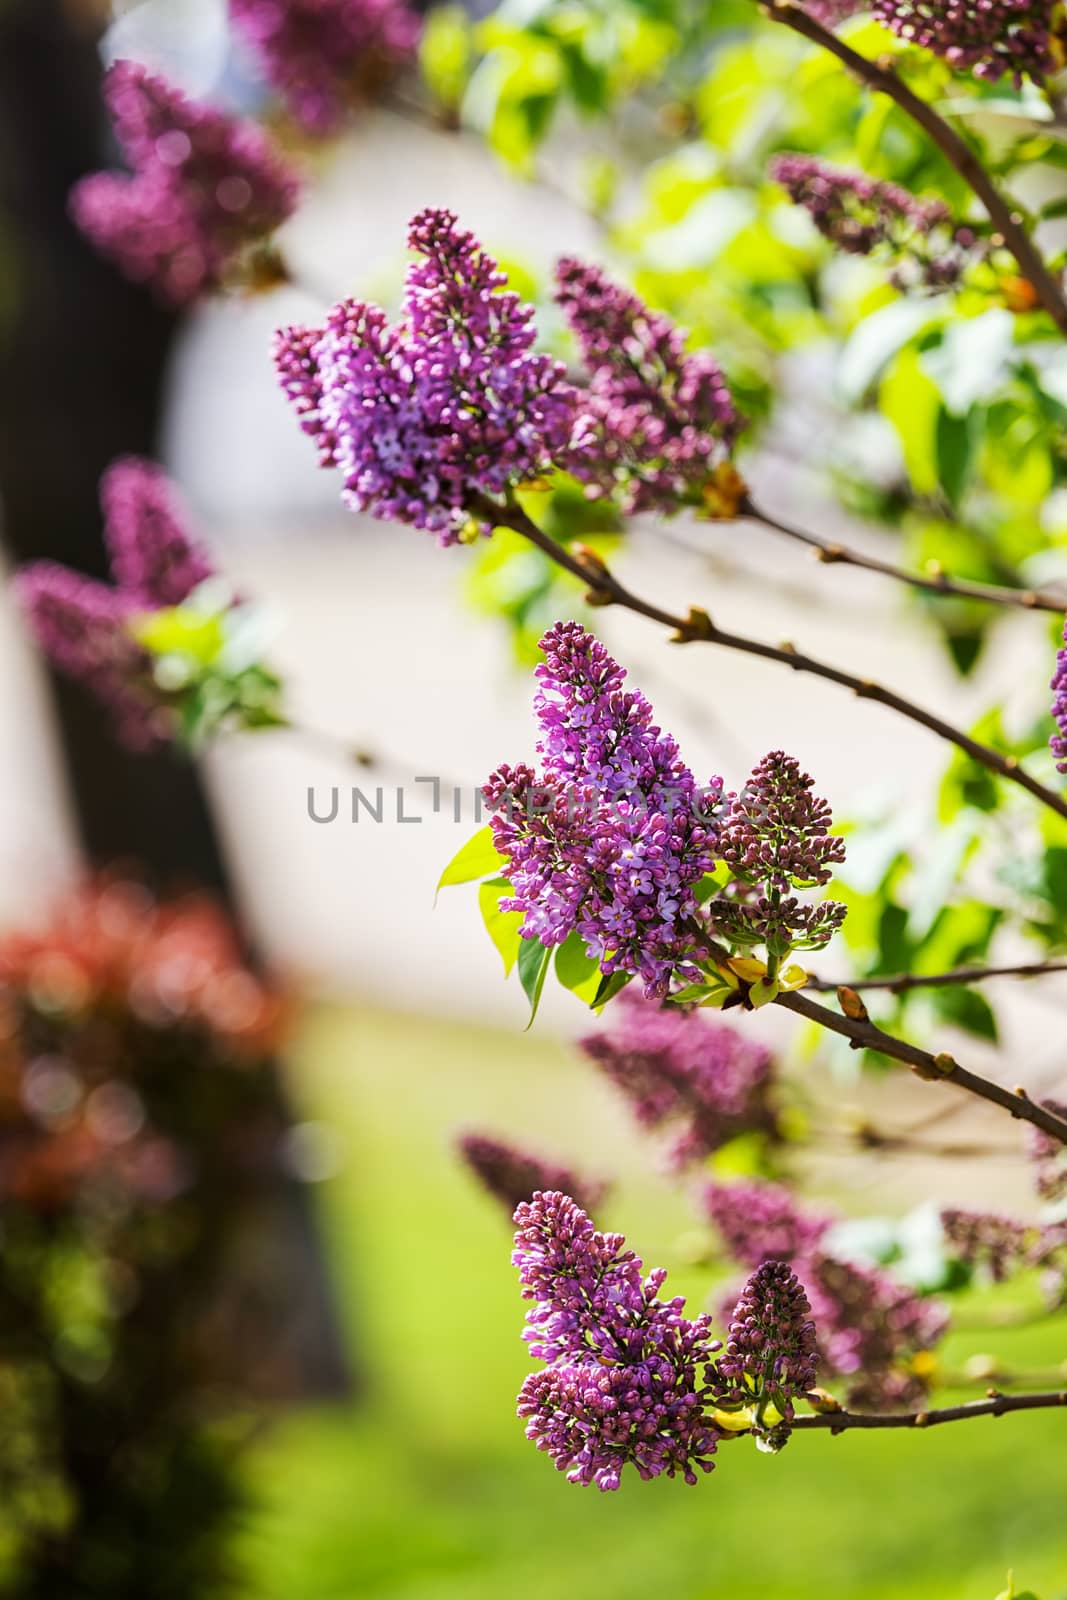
<point>604,589</point>
<point>832,552</point>
<point>862,1034</point>
<point>880,76</point>
<point>996,1405</point>
<point>902,982</point>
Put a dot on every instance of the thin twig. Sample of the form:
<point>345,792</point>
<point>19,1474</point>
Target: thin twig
<point>903,981</point>
<point>831,551</point>
<point>862,1034</point>
<point>996,1405</point>
<point>604,589</point>
<point>881,76</point>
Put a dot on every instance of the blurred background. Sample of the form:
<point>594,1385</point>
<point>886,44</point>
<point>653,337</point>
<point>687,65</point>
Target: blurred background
<point>386,1459</point>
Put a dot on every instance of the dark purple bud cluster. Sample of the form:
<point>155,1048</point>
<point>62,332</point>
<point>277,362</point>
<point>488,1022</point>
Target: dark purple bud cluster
<point>990,38</point>
<point>1058,741</point>
<point>776,837</point>
<point>770,1358</point>
<point>864,216</point>
<point>985,1241</point>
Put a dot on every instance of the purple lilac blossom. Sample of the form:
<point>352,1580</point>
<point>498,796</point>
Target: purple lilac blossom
<point>1058,742</point>
<point>759,1221</point>
<point>771,1355</point>
<point>610,839</point>
<point>204,187</point>
<point>318,54</point>
<point>153,558</point>
<point>1049,1157</point>
<point>512,1175</point>
<point>83,625</point>
<point>870,1328</point>
<point>434,419</point>
<point>996,1244</point>
<point>986,37</point>
<point>863,215</point>
<point>656,423</point>
<point>775,837</point>
<point>628,1380</point>
<point>687,1071</point>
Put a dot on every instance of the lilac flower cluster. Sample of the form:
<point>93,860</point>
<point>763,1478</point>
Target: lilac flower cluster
<point>628,1378</point>
<point>427,418</point>
<point>984,1240</point>
<point>613,835</point>
<point>770,1357</point>
<point>657,425</point>
<point>319,53</point>
<point>204,188</point>
<point>863,215</point>
<point>512,1175</point>
<point>687,1071</point>
<point>870,1328</point>
<point>831,12</point>
<point>776,837</point>
<point>987,37</point>
<point>1049,1157</point>
<point>1058,741</point>
<point>83,625</point>
<point>759,1222</point>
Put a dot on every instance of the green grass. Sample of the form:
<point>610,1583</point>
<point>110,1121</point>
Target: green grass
<point>427,1489</point>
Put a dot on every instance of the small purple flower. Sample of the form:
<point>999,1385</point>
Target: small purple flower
<point>319,54</point>
<point>986,37</point>
<point>986,1241</point>
<point>83,626</point>
<point>770,1358</point>
<point>657,425</point>
<point>760,1221</point>
<point>1058,741</point>
<point>611,838</point>
<point>204,188</point>
<point>776,837</point>
<point>688,1071</point>
<point>512,1175</point>
<point>628,1380</point>
<point>433,420</point>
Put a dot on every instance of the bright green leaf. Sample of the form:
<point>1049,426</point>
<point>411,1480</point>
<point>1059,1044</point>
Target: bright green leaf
<point>478,858</point>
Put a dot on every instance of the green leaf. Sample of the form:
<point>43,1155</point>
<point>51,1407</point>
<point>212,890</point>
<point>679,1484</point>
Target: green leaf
<point>478,858</point>
<point>955,453</point>
<point>611,985</point>
<point>966,1009</point>
<point>501,926</point>
<point>533,961</point>
<point>445,53</point>
<point>574,969</point>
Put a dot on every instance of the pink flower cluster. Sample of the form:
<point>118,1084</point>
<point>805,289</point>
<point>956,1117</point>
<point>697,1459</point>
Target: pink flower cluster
<point>512,1175</point>
<point>628,1374</point>
<point>82,624</point>
<point>318,53</point>
<point>987,37</point>
<point>655,421</point>
<point>612,836</point>
<point>204,188</point>
<point>433,420</point>
<point>686,1071</point>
